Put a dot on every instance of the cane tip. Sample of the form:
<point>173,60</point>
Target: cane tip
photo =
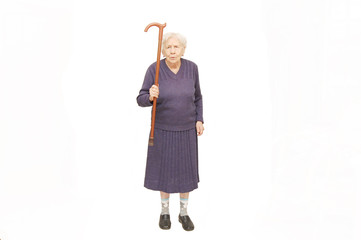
<point>151,142</point>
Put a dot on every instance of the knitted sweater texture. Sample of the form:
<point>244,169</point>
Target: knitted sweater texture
<point>180,104</point>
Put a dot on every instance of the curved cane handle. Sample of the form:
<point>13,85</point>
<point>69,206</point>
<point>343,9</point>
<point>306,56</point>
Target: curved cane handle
<point>161,26</point>
<point>160,36</point>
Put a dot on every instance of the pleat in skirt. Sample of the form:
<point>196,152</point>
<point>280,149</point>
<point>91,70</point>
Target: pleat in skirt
<point>172,163</point>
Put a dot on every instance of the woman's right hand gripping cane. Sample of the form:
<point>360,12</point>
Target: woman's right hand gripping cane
<point>153,92</point>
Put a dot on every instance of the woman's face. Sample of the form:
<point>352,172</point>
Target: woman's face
<point>173,50</point>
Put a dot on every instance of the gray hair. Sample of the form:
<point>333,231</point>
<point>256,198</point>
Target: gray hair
<point>182,40</point>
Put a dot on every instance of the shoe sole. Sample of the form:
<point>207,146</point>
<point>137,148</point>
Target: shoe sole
<point>164,228</point>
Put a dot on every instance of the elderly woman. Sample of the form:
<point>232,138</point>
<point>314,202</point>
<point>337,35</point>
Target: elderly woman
<point>172,163</point>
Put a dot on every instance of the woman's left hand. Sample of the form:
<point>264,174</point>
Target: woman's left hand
<point>200,128</point>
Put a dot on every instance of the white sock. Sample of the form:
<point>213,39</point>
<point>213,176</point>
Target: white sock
<point>165,206</point>
<point>183,206</point>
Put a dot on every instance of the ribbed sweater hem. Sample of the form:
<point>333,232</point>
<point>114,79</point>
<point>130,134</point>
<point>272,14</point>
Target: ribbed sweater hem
<point>175,128</point>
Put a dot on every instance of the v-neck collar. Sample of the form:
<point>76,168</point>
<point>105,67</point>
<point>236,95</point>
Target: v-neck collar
<point>170,72</point>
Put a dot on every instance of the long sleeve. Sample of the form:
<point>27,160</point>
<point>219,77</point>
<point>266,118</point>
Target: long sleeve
<point>198,98</point>
<point>143,97</point>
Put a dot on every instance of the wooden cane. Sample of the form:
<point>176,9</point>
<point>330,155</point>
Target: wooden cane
<point>160,26</point>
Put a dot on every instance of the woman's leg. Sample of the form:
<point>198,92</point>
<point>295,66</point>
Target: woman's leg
<point>184,195</point>
<point>164,220</point>
<point>183,217</point>
<point>183,203</point>
<point>165,202</point>
<point>164,195</point>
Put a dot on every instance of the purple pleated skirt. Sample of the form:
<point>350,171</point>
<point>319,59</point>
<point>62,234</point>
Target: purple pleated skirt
<point>172,163</point>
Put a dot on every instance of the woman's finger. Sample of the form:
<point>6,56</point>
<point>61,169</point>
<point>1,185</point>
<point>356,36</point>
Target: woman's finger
<point>199,130</point>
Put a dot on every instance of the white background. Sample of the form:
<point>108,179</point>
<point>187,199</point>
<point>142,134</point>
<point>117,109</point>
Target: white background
<point>280,155</point>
